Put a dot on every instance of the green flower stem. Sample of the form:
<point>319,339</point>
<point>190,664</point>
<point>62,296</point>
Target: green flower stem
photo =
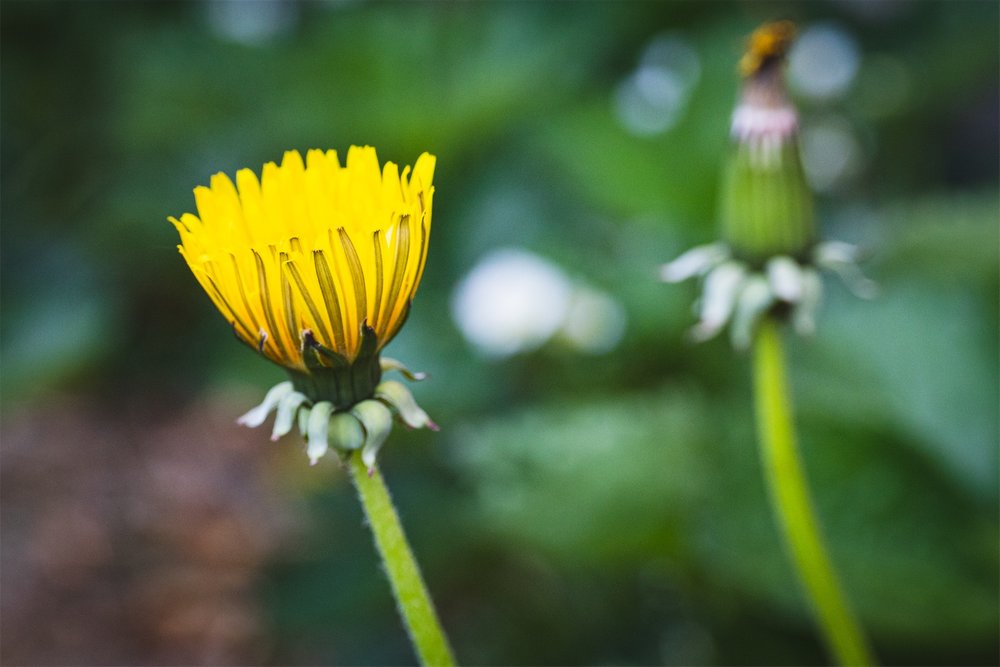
<point>414,602</point>
<point>792,504</point>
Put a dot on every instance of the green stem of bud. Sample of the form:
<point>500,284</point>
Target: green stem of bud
<point>412,598</point>
<point>792,504</point>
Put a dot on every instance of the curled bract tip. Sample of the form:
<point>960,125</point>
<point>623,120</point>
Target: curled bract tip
<point>396,395</point>
<point>362,425</point>
<point>376,418</point>
<point>389,364</point>
<point>284,419</point>
<point>319,427</point>
<point>737,295</point>
<point>694,262</point>
<point>258,415</point>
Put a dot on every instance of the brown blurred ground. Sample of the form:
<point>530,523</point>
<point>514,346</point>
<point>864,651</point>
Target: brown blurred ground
<point>134,537</point>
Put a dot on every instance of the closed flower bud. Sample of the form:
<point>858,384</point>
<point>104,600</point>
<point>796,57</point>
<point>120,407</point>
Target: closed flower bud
<point>768,258</point>
<point>766,205</point>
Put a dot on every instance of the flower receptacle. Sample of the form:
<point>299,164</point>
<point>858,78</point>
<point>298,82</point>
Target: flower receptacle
<point>332,377</point>
<point>347,408</point>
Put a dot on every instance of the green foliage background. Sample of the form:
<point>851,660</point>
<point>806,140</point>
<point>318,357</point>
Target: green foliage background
<point>575,509</point>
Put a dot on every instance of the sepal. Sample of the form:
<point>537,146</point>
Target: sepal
<point>396,395</point>
<point>258,415</point>
<point>842,258</point>
<point>722,288</point>
<point>376,419</point>
<point>319,428</point>
<point>695,262</point>
<point>389,364</point>
<point>756,298</point>
<point>735,294</point>
<point>303,419</point>
<point>346,432</point>
<point>330,376</point>
<point>804,315</point>
<point>363,424</point>
<point>784,276</point>
<point>288,408</point>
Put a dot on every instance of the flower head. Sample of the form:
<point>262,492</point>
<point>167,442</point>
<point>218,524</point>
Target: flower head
<point>766,44</point>
<point>769,258</point>
<point>315,265</point>
<point>766,206</point>
<point>312,249</point>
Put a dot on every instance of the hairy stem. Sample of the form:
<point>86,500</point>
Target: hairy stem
<point>412,598</point>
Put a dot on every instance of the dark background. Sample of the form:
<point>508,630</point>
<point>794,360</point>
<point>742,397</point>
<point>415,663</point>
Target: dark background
<point>594,495</point>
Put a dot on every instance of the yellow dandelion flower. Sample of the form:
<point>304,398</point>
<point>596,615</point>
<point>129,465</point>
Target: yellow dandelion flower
<point>315,264</point>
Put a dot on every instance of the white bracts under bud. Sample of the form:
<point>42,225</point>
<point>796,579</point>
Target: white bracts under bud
<point>319,427</point>
<point>756,297</point>
<point>722,288</point>
<point>694,262</point>
<point>734,294</point>
<point>346,431</point>
<point>398,396</point>
<point>258,415</point>
<point>804,315</point>
<point>842,258</point>
<point>785,277</point>
<point>376,419</point>
<point>284,419</point>
<point>388,364</point>
<point>364,425</point>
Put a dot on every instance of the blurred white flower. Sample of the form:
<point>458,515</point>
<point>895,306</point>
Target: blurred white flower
<point>831,153</point>
<point>251,22</point>
<point>652,99</point>
<point>823,62</point>
<point>595,322</point>
<point>514,301</point>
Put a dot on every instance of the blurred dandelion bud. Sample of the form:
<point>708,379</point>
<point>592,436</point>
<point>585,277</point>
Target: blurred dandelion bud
<point>766,206</point>
<point>315,266</point>
<point>768,257</point>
